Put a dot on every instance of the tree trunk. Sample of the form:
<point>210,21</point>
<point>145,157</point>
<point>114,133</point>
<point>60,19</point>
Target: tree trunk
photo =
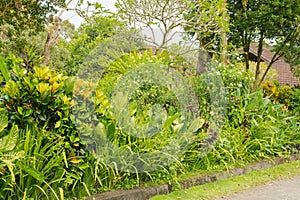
<point>246,56</point>
<point>52,38</point>
<point>277,55</point>
<point>259,53</point>
<point>224,36</point>
<point>203,59</point>
<point>246,41</point>
<point>53,34</point>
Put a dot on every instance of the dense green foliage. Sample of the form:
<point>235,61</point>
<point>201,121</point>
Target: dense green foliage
<point>88,36</point>
<point>207,23</point>
<point>28,14</point>
<point>51,161</point>
<point>23,24</point>
<point>263,20</point>
<point>64,136</point>
<point>38,104</point>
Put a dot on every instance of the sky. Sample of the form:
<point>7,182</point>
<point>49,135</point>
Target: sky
<point>75,19</point>
<point>109,4</point>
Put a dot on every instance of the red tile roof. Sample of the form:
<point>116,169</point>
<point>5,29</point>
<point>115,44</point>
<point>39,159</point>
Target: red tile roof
<point>285,75</point>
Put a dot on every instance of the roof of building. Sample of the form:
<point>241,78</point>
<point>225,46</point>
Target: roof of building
<point>285,75</point>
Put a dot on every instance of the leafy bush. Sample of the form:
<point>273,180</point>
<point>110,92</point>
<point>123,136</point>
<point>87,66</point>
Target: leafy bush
<point>236,79</point>
<point>39,105</point>
<point>294,104</point>
<point>132,60</point>
<point>255,126</point>
<point>41,97</point>
<point>278,94</point>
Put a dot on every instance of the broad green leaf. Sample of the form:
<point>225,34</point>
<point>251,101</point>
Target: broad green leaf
<point>57,124</point>
<point>69,84</point>
<point>3,119</point>
<point>195,125</point>
<point>65,158</point>
<point>20,110</point>
<point>8,142</point>
<point>32,172</point>
<point>61,192</point>
<point>43,88</point>
<point>169,121</point>
<point>4,70</point>
<point>11,88</point>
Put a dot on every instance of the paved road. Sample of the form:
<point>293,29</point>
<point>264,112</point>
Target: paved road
<point>288,189</point>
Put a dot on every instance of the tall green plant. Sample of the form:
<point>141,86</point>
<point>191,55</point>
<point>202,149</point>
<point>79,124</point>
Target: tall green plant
<point>4,70</point>
<point>259,21</point>
<point>38,103</point>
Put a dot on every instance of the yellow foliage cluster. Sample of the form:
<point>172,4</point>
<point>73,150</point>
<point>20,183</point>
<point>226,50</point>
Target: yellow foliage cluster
<point>276,93</point>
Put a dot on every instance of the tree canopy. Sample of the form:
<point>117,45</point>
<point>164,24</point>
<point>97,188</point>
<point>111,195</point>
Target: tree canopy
<point>28,14</point>
<point>262,21</point>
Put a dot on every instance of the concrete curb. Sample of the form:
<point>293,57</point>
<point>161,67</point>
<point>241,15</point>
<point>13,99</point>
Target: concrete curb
<point>144,193</point>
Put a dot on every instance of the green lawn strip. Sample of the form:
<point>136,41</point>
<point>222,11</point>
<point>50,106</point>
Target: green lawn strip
<point>234,184</point>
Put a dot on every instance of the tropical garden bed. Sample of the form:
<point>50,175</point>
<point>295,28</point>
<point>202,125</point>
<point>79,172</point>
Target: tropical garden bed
<point>100,108</point>
<point>43,155</point>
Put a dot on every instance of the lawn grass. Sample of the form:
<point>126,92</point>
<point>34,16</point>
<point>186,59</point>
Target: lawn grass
<point>235,184</point>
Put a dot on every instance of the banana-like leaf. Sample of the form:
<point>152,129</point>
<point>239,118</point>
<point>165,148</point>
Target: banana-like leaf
<point>196,124</point>
<point>3,120</point>
<point>4,70</point>
<point>8,142</point>
<point>32,172</point>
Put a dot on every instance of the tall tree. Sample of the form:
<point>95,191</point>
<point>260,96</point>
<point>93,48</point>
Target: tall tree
<point>20,20</point>
<point>262,21</point>
<point>24,21</point>
<point>207,21</point>
<point>163,16</point>
<point>95,32</point>
<point>292,50</point>
<point>54,30</point>
<point>28,14</point>
<point>203,20</point>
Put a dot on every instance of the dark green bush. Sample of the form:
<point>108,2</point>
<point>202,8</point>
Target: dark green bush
<point>294,104</point>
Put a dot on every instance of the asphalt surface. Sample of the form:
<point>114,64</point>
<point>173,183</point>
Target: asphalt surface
<point>287,189</point>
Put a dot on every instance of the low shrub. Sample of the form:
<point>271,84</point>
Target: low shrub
<point>294,103</point>
<point>39,104</point>
<point>278,94</point>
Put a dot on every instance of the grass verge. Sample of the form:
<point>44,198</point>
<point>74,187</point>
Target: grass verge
<point>235,184</point>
